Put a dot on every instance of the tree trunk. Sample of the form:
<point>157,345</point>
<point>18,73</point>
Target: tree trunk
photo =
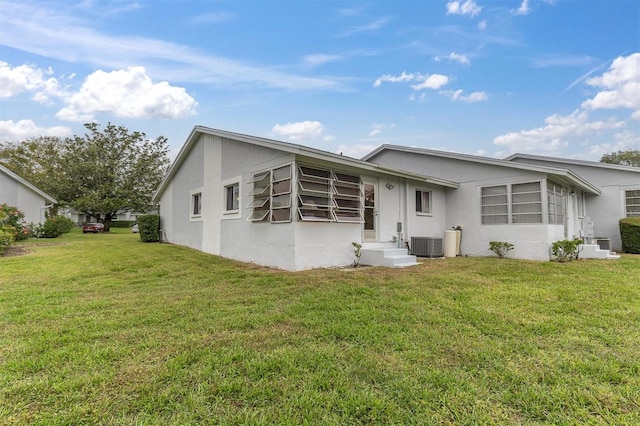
<point>107,222</point>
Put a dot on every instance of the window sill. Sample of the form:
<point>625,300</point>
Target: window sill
<point>424,214</point>
<point>196,218</point>
<point>231,214</point>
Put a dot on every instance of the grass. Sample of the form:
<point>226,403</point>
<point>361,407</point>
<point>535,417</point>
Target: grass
<point>104,329</point>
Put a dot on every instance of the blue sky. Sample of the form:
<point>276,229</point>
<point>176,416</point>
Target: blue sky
<point>487,77</point>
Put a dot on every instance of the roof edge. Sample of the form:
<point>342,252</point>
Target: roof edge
<point>573,177</point>
<point>293,149</point>
<point>587,163</point>
<point>28,184</point>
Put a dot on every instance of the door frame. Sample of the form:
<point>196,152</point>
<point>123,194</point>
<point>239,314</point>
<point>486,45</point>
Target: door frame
<point>371,236</point>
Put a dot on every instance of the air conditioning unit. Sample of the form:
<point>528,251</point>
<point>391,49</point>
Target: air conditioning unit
<point>426,247</point>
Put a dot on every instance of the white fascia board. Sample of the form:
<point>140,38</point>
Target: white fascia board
<point>572,161</point>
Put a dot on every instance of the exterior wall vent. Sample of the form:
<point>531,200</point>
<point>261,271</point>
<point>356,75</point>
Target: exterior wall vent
<point>426,247</point>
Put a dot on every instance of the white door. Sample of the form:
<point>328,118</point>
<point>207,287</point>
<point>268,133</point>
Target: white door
<point>369,233</point>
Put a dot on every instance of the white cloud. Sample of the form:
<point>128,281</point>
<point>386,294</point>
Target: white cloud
<point>469,7</point>
<point>301,130</point>
<point>524,8</point>
<point>621,83</point>
<point>355,151</point>
<point>393,79</point>
<point>20,130</point>
<point>455,57</point>
<point>623,141</point>
<point>420,98</point>
<point>482,25</point>
<point>315,60</point>
<point>127,93</point>
<point>433,81</point>
<point>51,32</point>
<point>471,98</point>
<point>552,137</point>
<point>371,26</point>
<point>25,78</point>
<point>375,132</point>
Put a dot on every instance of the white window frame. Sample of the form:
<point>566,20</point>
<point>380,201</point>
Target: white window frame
<point>340,192</point>
<point>422,212</point>
<point>628,195</point>
<point>510,214</point>
<point>276,194</point>
<point>230,183</point>
<point>193,216</point>
<point>556,201</point>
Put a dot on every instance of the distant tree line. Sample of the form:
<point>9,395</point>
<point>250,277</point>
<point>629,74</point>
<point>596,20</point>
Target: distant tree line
<point>624,158</point>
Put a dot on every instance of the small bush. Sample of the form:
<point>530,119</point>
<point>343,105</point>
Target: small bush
<point>53,227</point>
<point>6,238</point>
<point>501,248</point>
<point>149,226</point>
<point>566,250</point>
<point>12,216</point>
<point>357,253</point>
<point>630,234</point>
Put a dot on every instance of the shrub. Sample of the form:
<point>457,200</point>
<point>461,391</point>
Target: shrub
<point>53,227</point>
<point>630,234</point>
<point>6,238</point>
<point>149,226</point>
<point>501,248</point>
<point>357,253</point>
<point>566,250</point>
<point>14,218</point>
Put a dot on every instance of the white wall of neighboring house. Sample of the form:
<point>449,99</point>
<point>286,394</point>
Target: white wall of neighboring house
<point>16,194</point>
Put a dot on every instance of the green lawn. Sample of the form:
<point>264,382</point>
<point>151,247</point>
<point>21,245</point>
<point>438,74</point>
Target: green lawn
<point>104,329</point>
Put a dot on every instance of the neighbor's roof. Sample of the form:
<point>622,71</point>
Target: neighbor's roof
<point>517,156</point>
<point>14,176</point>
<point>565,174</point>
<point>299,150</point>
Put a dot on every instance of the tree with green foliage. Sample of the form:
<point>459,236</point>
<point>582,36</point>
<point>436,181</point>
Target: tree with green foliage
<point>624,158</point>
<point>105,171</point>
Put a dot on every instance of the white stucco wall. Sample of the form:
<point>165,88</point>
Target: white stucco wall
<point>462,206</point>
<point>26,200</point>
<point>606,209</point>
<point>175,203</point>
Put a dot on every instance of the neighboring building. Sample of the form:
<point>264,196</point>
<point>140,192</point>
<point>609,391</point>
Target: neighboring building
<point>528,205</point>
<point>289,206</point>
<point>17,192</point>
<point>619,186</point>
<point>82,218</point>
<point>293,207</point>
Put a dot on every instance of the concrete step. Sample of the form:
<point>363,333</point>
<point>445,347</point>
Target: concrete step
<point>389,257</point>
<point>593,251</point>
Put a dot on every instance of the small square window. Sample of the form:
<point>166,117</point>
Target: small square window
<point>423,201</point>
<point>232,197</point>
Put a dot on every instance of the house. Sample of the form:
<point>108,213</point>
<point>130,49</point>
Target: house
<point>293,207</point>
<point>529,204</point>
<point>619,191</point>
<point>17,192</point>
